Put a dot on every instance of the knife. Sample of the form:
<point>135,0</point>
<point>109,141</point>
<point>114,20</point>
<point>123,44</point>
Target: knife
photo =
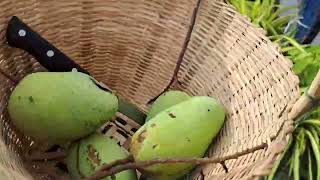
<point>20,35</point>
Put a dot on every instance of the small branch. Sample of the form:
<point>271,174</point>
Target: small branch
<point>174,78</point>
<point>116,163</point>
<point>46,156</point>
<point>129,163</point>
<point>114,168</point>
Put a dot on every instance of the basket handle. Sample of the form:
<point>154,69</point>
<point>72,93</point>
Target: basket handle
<point>308,100</point>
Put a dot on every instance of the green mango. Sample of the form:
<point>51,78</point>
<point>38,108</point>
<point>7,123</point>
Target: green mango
<point>165,101</point>
<point>87,155</point>
<point>183,130</point>
<point>59,107</point>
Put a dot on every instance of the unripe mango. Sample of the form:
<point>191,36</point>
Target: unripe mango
<point>183,130</point>
<point>165,101</point>
<point>59,107</point>
<point>86,156</point>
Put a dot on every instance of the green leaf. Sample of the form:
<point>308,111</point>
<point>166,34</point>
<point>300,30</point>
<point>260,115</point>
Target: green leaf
<point>296,164</point>
<point>315,114</point>
<point>235,4</point>
<point>282,10</point>
<point>258,20</point>
<point>306,65</point>
<point>281,21</point>
<point>255,9</point>
<point>271,29</point>
<point>304,163</point>
<point>311,122</point>
<point>315,134</point>
<point>281,170</point>
<point>294,43</point>
<point>317,128</point>
<point>315,49</point>
<point>309,73</point>
<point>310,165</point>
<point>291,165</point>
<point>301,141</point>
<point>303,89</point>
<point>288,49</point>
<point>243,7</point>
<point>301,62</point>
<point>280,162</point>
<point>264,26</point>
<point>316,151</point>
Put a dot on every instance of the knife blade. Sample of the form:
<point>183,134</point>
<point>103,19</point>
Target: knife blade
<point>20,35</point>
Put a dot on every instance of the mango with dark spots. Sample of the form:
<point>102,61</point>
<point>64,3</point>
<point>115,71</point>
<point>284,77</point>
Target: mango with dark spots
<point>87,155</point>
<point>183,130</point>
<point>59,107</point>
<point>165,101</point>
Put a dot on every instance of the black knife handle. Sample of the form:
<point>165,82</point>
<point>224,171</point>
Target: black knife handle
<point>19,35</point>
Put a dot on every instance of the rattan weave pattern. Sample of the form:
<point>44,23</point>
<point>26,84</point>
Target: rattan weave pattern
<point>134,47</point>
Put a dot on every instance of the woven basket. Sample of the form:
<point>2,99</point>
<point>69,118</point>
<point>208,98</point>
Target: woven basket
<point>136,47</point>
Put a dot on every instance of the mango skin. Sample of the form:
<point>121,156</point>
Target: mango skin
<point>59,107</point>
<point>91,153</point>
<point>165,101</point>
<point>183,130</point>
